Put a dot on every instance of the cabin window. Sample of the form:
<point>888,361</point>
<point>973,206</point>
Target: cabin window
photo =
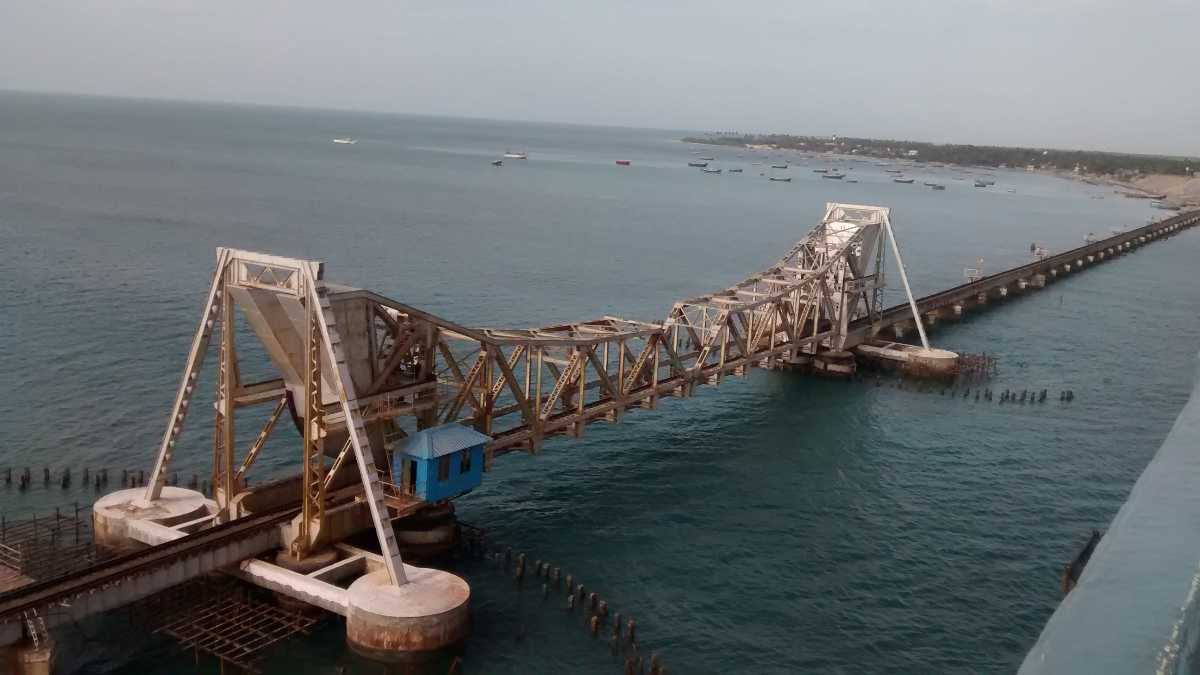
<point>444,468</point>
<point>464,461</point>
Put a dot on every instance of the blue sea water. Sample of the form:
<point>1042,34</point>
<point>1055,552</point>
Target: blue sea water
<point>776,524</point>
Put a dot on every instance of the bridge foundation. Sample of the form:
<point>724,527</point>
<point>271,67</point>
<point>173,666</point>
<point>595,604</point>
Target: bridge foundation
<point>834,363</point>
<point>116,515</point>
<point>800,363</point>
<point>403,623</point>
<point>26,659</point>
<point>958,310</point>
<point>1038,281</point>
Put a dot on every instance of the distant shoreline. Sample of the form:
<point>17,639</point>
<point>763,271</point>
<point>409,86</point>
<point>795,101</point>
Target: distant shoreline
<point>1140,176</point>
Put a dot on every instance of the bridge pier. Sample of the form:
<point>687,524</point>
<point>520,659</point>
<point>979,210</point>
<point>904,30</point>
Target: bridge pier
<point>931,318</point>
<point>1038,281</point>
<point>24,658</point>
<point>123,520</point>
<point>981,298</point>
<point>834,363</point>
<point>1002,291</point>
<point>958,310</point>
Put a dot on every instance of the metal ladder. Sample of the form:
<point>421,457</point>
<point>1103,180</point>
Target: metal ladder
<point>372,486</point>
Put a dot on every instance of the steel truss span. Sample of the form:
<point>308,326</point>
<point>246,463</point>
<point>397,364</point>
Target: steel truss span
<point>358,370</point>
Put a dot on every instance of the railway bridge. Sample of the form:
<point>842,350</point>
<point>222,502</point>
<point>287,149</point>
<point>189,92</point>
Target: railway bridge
<point>371,383</point>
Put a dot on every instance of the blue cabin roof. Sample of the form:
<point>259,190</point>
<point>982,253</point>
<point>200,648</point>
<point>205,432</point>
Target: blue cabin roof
<point>438,441</point>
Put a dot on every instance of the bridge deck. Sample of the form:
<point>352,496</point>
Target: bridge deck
<point>949,297</point>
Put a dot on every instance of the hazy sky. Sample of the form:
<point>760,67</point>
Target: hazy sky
<point>1109,74</point>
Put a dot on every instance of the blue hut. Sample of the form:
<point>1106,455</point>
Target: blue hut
<point>440,462</point>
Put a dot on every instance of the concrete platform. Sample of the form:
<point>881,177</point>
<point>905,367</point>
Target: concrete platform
<point>113,513</point>
<point>386,622</point>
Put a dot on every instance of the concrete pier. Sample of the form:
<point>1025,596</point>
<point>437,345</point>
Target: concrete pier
<point>834,363</point>
<point>25,659</point>
<point>391,623</point>
<point>123,520</point>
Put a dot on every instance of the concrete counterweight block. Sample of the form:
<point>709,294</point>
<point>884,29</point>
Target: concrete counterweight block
<point>114,514</point>
<point>404,623</point>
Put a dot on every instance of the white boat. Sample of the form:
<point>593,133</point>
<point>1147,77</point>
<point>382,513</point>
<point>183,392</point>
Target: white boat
<point>515,155</point>
<point>345,141</point>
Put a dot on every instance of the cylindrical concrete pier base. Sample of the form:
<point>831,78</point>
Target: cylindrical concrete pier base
<point>407,622</point>
<point>834,363</point>
<point>932,363</point>
<point>112,513</point>
<point>799,363</point>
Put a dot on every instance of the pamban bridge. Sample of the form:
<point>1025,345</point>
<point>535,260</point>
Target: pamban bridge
<point>398,411</point>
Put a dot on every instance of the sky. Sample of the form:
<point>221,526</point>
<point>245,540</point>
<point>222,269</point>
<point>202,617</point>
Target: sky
<point>1096,74</point>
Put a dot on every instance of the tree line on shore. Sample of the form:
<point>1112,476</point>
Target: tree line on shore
<point>1085,161</point>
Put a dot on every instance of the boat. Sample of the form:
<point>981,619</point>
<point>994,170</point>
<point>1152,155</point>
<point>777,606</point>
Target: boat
<point>780,180</point>
<point>622,162</point>
<point>706,159</point>
<point>834,176</point>
<point>928,184</point>
<point>979,183</point>
<point>820,170</point>
<point>345,141</point>
<point>698,164</point>
<point>779,166</point>
<point>906,181</point>
<point>755,163</point>
<point>852,180</point>
<point>711,170</point>
<point>938,186</point>
<point>894,170</point>
<point>735,171</point>
<point>515,155</point>
<point>498,163</point>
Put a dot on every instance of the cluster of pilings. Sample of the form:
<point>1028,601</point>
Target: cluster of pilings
<point>95,479</point>
<point>977,394</point>
<point>599,619</point>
